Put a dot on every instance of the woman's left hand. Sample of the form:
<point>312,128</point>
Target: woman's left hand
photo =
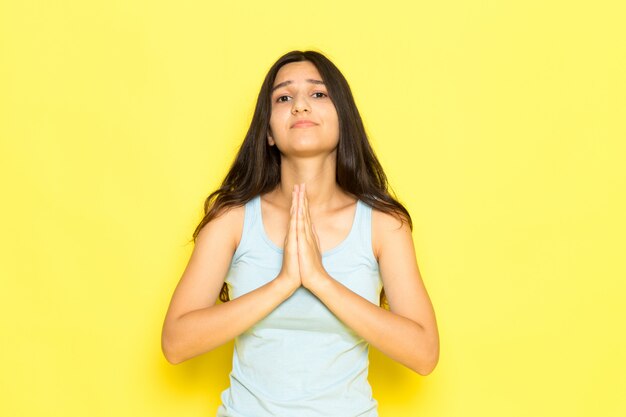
<point>312,270</point>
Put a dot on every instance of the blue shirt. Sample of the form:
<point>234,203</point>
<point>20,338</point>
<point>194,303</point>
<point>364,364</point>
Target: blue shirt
<point>301,360</point>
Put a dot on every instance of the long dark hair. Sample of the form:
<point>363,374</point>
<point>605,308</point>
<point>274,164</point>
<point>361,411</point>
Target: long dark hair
<point>256,168</point>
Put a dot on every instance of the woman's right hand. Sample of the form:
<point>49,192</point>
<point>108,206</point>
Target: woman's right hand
<point>290,271</point>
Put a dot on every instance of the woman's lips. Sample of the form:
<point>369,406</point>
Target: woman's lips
<point>303,124</point>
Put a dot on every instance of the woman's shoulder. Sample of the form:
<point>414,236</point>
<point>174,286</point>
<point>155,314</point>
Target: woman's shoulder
<point>385,228</point>
<point>228,223</point>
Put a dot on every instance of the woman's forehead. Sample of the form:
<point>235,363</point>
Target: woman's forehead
<point>296,72</point>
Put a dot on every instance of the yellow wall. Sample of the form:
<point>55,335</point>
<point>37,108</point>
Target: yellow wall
<point>501,125</point>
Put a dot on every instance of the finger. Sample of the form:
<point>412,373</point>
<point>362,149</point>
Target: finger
<point>300,216</point>
<point>294,206</point>
<point>303,232</point>
<point>291,231</point>
<point>317,238</point>
<point>307,216</point>
<point>301,200</point>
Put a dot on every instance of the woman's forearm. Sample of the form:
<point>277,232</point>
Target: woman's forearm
<point>200,331</point>
<point>400,338</point>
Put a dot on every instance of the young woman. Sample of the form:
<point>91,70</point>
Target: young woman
<point>298,243</point>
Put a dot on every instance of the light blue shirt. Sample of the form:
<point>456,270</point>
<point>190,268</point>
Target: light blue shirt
<point>301,360</point>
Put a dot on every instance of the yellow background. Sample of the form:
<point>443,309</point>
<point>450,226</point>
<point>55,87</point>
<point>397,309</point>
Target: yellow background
<point>501,126</point>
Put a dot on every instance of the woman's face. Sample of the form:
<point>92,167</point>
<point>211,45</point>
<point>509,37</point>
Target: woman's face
<point>304,120</point>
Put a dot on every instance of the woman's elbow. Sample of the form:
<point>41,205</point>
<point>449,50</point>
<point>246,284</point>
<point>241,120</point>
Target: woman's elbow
<point>427,363</point>
<point>169,350</point>
<point>171,357</point>
<point>169,354</point>
<point>426,368</point>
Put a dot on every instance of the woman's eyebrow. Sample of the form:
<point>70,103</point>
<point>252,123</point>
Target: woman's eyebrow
<point>284,83</point>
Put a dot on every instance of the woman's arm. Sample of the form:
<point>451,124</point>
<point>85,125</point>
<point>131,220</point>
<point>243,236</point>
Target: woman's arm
<point>408,333</point>
<point>194,324</point>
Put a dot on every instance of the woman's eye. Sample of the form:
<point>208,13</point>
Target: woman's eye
<point>318,94</point>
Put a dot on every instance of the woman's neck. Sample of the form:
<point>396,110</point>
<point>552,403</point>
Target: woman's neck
<point>319,177</point>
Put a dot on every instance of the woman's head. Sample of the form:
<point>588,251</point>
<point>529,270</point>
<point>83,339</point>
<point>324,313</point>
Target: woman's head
<point>353,148</point>
<point>303,121</point>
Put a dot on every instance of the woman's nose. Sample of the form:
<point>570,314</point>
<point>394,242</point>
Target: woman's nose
<point>300,104</point>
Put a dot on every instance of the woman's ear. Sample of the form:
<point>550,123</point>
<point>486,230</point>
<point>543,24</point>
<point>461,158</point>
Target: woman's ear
<point>270,139</point>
